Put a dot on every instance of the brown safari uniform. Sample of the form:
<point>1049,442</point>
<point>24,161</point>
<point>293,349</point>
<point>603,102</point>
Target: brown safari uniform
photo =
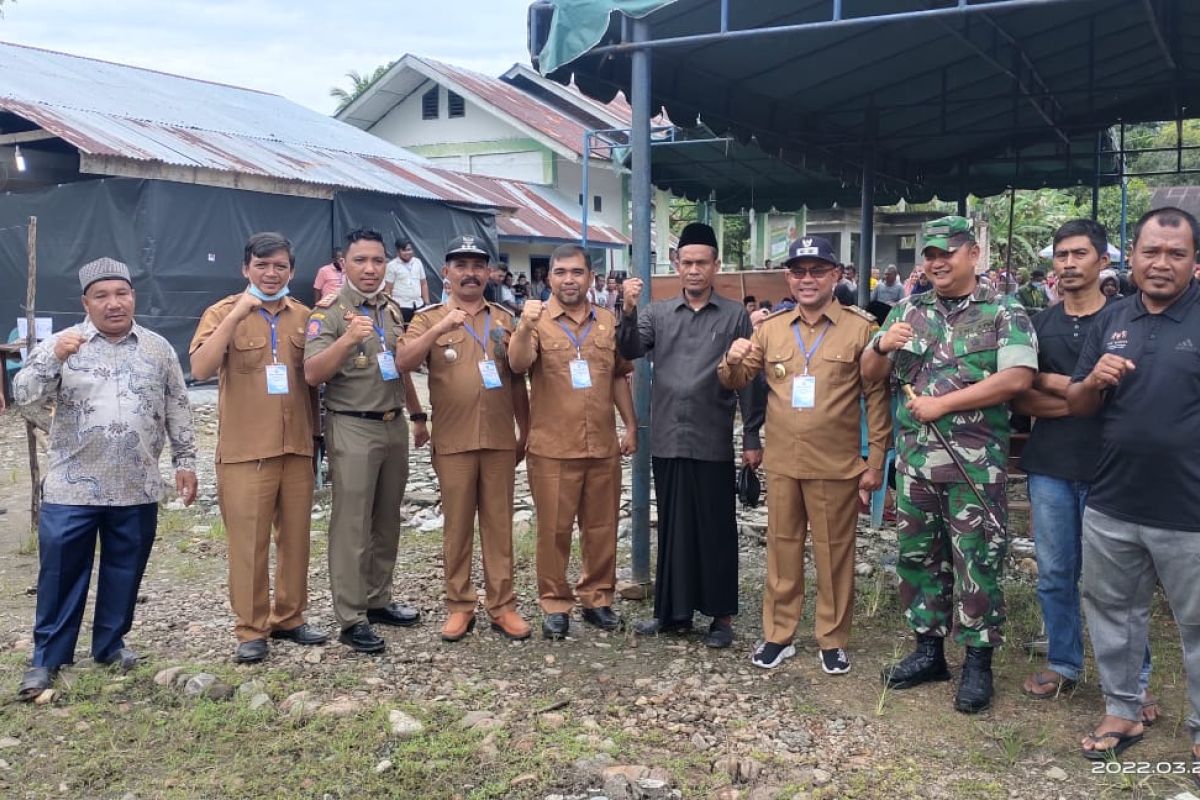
<point>474,454</point>
<point>264,466</point>
<point>813,462</point>
<point>574,456</point>
<point>366,438</point>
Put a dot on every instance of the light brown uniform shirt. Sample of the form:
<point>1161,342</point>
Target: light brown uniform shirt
<point>251,423</point>
<point>823,442</point>
<point>358,385</point>
<point>568,422</point>
<point>464,415</point>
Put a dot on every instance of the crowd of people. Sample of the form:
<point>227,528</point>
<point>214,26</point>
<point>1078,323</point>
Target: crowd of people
<point>1111,383</point>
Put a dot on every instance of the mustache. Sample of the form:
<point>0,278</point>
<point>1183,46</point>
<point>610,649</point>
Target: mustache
<point>469,282</point>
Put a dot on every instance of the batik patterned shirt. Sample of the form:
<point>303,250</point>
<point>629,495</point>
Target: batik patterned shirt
<point>117,404</point>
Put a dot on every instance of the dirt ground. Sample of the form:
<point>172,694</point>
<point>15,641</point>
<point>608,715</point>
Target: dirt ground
<point>597,715</point>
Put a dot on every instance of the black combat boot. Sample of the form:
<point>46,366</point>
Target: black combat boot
<point>926,663</point>
<point>975,689</point>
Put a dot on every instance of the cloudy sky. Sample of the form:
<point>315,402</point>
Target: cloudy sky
<point>298,49</point>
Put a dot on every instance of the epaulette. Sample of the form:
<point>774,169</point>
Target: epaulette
<point>862,312</point>
<point>430,307</point>
<point>778,313</point>
<point>501,307</point>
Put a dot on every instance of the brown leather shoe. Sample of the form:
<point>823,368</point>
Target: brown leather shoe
<point>458,625</point>
<point>512,625</point>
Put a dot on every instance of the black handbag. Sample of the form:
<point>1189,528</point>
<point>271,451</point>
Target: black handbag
<point>749,489</point>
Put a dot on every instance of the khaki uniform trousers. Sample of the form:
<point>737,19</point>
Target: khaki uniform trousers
<point>253,496</point>
<point>477,481</point>
<point>566,489</point>
<point>368,464</point>
<point>831,509</point>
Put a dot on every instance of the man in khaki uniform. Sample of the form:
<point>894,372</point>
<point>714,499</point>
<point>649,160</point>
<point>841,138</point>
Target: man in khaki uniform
<point>351,349</point>
<point>476,399</point>
<point>815,473</point>
<point>254,343</point>
<point>577,376</point>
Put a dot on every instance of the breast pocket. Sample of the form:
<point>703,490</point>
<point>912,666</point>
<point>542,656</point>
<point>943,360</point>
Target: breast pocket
<point>450,349</point>
<point>251,353</point>
<point>979,358</point>
<point>840,365</point>
<point>781,365</point>
<point>600,351</point>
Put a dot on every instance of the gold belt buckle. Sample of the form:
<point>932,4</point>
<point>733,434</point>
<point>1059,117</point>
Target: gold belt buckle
<point>388,416</point>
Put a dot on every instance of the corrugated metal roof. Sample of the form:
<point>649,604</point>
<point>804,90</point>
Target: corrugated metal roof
<point>1184,197</point>
<point>107,109</point>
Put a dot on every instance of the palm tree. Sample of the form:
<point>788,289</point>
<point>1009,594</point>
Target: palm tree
<point>359,84</point>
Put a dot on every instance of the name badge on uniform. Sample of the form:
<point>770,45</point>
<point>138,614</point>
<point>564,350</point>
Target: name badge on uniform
<point>491,376</point>
<point>581,376</point>
<point>387,366</point>
<point>804,391</point>
<point>277,379</point>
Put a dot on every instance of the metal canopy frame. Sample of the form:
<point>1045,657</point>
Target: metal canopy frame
<point>1004,53</point>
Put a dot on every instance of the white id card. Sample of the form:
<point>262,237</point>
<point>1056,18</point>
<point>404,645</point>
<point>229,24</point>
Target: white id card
<point>491,376</point>
<point>277,379</point>
<point>804,391</point>
<point>581,376</point>
<point>387,366</point>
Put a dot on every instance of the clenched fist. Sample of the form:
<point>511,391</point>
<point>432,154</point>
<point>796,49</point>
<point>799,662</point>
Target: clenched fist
<point>246,305</point>
<point>896,337</point>
<point>455,319</point>
<point>1108,372</point>
<point>739,350</point>
<point>632,289</point>
<point>67,344</point>
<point>531,312</point>
<point>360,329</point>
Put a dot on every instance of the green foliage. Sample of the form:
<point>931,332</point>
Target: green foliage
<point>358,85</point>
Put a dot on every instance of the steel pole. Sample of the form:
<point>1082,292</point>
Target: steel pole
<point>866,231</point>
<point>584,190</point>
<point>640,191</point>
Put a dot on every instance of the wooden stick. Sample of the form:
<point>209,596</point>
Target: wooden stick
<point>35,476</point>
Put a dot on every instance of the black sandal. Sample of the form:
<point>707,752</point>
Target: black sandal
<point>34,682</point>
<point>1124,742</point>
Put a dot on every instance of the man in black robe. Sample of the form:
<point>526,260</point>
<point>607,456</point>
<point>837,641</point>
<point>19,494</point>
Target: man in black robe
<point>691,438</point>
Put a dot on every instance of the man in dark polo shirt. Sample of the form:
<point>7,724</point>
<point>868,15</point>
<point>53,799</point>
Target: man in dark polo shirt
<point>1061,455</point>
<point>1140,373</point>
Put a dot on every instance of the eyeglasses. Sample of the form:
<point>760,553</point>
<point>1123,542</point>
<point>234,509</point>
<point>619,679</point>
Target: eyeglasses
<point>816,272</point>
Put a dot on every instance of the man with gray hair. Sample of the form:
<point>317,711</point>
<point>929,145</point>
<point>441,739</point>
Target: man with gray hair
<point>120,395</point>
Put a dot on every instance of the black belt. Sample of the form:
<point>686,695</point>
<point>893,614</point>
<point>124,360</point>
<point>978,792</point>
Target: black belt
<point>378,416</point>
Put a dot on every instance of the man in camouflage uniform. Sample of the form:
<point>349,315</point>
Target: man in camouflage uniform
<point>965,351</point>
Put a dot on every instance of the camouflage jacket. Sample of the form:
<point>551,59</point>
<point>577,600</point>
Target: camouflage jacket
<point>950,350</point>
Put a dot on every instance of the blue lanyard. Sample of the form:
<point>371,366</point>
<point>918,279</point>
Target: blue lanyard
<point>272,321</point>
<point>487,332</point>
<point>377,324</point>
<point>800,343</point>
<point>578,342</point>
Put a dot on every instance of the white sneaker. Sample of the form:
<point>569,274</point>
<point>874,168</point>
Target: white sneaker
<point>769,655</point>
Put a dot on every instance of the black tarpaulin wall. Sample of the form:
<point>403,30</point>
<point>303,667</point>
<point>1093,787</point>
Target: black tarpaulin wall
<point>429,224</point>
<point>183,243</point>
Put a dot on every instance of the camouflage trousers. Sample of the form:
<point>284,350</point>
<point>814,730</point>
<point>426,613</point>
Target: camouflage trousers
<point>947,546</point>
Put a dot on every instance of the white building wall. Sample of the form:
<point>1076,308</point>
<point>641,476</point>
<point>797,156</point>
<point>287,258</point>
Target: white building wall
<point>403,124</point>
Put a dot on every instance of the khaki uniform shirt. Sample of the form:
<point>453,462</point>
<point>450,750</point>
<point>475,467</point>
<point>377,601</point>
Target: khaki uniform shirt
<point>358,386</point>
<point>822,442</point>
<point>465,416</point>
<point>253,424</point>
<point>568,422</point>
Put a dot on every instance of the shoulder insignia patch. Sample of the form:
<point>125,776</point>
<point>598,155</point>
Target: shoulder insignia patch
<point>314,328</point>
<point>867,315</point>
<point>316,315</point>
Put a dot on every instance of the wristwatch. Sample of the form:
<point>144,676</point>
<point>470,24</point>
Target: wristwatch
<point>875,345</point>
<point>420,416</point>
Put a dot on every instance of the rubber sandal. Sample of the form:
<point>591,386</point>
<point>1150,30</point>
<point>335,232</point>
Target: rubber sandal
<point>1061,684</point>
<point>1149,723</point>
<point>1124,742</point>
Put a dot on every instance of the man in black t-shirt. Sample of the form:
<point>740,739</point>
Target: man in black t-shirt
<point>1061,455</point>
<point>1139,371</point>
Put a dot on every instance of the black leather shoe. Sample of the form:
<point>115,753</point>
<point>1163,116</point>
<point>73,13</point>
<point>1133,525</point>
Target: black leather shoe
<point>556,626</point>
<point>720,634</point>
<point>654,627</point>
<point>251,652</point>
<point>301,634</point>
<point>926,663</point>
<point>975,689</point>
<point>394,614</point>
<point>362,638</point>
<point>604,618</point>
<point>35,681</point>
<point>124,659</point>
